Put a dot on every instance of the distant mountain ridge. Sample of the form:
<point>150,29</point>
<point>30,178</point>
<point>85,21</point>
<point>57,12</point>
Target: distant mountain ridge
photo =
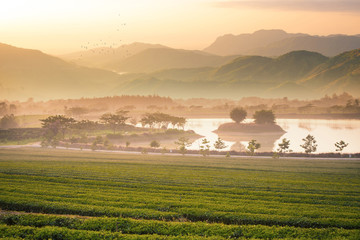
<point>298,74</point>
<point>155,59</point>
<point>28,73</point>
<point>143,57</point>
<point>107,57</point>
<point>278,42</point>
<point>302,74</point>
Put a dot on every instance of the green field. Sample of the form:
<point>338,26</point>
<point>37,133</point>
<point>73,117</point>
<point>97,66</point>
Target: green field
<point>92,195</point>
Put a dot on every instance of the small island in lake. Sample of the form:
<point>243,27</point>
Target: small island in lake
<point>264,129</point>
<point>264,123</point>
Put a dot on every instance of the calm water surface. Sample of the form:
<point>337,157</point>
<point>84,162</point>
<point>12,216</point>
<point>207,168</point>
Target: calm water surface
<point>326,132</point>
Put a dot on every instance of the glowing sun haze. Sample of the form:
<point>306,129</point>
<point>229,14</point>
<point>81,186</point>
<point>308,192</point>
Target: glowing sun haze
<point>64,26</point>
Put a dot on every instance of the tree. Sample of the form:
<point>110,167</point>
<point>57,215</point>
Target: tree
<point>284,146</point>
<point>127,143</point>
<point>264,117</point>
<point>340,146</point>
<point>205,147</point>
<point>238,114</point>
<point>162,120</point>
<point>154,144</point>
<point>253,146</point>
<point>148,119</point>
<point>57,124</point>
<point>8,121</point>
<point>183,143</point>
<point>219,144</point>
<point>114,120</point>
<point>309,144</point>
<point>55,129</point>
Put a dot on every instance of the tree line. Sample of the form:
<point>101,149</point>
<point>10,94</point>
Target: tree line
<point>56,126</point>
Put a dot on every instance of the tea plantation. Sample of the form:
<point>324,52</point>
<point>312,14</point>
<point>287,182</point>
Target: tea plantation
<point>63,194</point>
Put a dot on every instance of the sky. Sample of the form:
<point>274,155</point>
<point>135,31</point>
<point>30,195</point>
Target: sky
<point>65,26</point>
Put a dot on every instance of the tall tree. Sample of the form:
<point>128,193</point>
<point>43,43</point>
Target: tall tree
<point>264,117</point>
<point>340,146</point>
<point>309,144</point>
<point>55,129</point>
<point>114,120</point>
<point>238,114</point>
<point>205,147</point>
<point>219,144</point>
<point>58,124</point>
<point>253,146</point>
<point>183,143</point>
<point>284,146</point>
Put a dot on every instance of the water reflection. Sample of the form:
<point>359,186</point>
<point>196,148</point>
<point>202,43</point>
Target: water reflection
<point>326,132</point>
<point>305,125</point>
<point>266,140</point>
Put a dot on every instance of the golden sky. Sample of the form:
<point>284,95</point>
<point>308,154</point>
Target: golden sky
<point>64,26</point>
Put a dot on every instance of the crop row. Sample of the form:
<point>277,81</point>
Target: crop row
<point>131,227</point>
<point>270,193</point>
<point>152,198</point>
<point>94,198</point>
<point>58,233</point>
<point>35,205</point>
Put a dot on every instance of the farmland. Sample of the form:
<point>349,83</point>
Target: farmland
<point>58,194</point>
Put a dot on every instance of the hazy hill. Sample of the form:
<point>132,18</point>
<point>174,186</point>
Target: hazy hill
<point>288,67</point>
<point>143,57</point>
<point>107,57</point>
<point>278,42</point>
<point>328,46</point>
<point>28,73</point>
<point>340,73</point>
<point>298,74</point>
<point>155,59</point>
<point>241,44</point>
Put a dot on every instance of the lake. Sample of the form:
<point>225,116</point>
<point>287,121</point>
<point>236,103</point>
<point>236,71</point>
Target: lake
<point>326,132</point>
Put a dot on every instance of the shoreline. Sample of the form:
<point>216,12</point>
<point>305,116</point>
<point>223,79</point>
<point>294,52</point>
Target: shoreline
<point>349,116</point>
<point>196,153</point>
<point>233,128</point>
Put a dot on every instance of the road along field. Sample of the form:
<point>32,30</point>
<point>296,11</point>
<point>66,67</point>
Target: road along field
<point>92,195</point>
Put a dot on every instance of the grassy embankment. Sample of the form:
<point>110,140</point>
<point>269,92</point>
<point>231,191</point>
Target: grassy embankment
<point>117,196</point>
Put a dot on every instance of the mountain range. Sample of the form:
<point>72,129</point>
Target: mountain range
<point>26,73</point>
<point>141,68</point>
<point>278,42</point>
<point>298,74</point>
<point>143,57</point>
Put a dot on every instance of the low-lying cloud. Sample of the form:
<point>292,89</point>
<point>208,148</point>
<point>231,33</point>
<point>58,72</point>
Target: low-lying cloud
<point>296,5</point>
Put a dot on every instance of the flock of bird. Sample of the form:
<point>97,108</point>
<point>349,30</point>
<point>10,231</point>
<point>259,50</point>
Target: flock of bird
<point>103,47</point>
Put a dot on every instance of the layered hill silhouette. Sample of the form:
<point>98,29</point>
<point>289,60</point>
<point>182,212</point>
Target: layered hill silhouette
<point>28,73</point>
<point>278,42</point>
<point>340,73</point>
<point>298,74</point>
<point>108,57</point>
<point>142,57</point>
